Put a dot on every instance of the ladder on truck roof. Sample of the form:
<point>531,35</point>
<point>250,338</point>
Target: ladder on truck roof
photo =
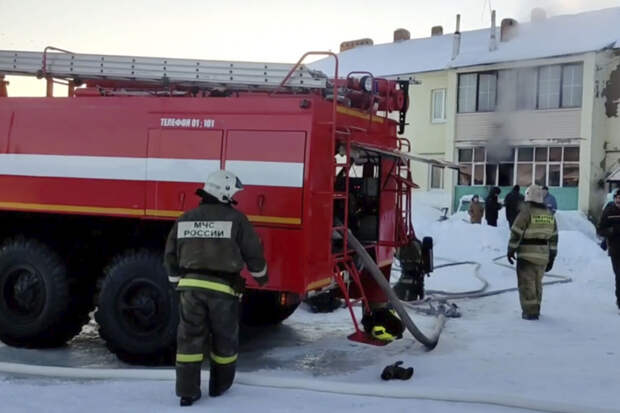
<point>58,63</point>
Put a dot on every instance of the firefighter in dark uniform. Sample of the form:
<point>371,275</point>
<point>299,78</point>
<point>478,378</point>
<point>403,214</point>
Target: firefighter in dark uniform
<point>609,227</point>
<point>205,253</point>
<point>534,239</point>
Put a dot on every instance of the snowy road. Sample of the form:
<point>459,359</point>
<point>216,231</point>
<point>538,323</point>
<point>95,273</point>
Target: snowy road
<point>566,360</point>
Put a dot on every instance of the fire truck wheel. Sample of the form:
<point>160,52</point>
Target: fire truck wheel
<point>34,295</point>
<point>137,310</point>
<point>260,308</point>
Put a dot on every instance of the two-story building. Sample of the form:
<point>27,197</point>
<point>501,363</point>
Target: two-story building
<point>521,103</point>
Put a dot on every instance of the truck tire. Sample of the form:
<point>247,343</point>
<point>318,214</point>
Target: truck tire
<point>34,296</point>
<point>262,308</point>
<point>137,309</point>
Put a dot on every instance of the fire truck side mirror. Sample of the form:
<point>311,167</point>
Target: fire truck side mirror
<point>427,255</point>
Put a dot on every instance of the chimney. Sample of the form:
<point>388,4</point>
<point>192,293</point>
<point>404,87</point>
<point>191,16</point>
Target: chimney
<point>352,44</point>
<point>538,15</point>
<point>493,38</point>
<point>401,34</point>
<point>456,40</point>
<point>508,30</point>
<point>436,31</point>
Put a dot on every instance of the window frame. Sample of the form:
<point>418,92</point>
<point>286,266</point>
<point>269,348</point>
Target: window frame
<point>515,162</point>
<point>434,93</point>
<point>430,177</point>
<point>521,99</point>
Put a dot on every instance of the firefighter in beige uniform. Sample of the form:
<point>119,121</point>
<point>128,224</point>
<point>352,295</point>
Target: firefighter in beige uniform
<point>534,238</point>
<point>205,252</point>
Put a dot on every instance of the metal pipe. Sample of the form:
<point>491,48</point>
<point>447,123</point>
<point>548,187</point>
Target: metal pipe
<point>456,39</point>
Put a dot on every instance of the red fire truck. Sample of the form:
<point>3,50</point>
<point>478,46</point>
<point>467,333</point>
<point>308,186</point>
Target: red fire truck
<point>91,183</point>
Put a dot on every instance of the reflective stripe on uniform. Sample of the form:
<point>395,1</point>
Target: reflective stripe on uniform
<point>223,360</point>
<point>380,333</point>
<point>189,358</point>
<point>207,285</point>
<point>174,279</point>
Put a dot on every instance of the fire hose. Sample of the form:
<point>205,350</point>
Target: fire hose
<point>428,341</point>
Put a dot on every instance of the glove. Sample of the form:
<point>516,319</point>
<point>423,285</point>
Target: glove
<point>394,371</point>
<point>511,256</point>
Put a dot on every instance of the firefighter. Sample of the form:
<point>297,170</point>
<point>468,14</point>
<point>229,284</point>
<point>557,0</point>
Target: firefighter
<point>609,227</point>
<point>534,239</point>
<point>205,252</point>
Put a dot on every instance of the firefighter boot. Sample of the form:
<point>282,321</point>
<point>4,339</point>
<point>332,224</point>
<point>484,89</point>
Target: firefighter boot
<point>383,324</point>
<point>188,401</point>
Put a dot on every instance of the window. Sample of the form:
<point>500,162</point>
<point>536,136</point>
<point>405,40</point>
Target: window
<point>487,84</point>
<point>506,87</point>
<point>543,87</point>
<point>549,79</point>
<point>436,177</point>
<point>525,167</point>
<point>467,92</point>
<point>477,92</point>
<point>491,174</point>
<point>472,166</point>
<point>438,104</point>
<point>506,174</point>
<point>571,85</point>
<point>526,88</point>
<point>542,165</point>
<point>570,172</point>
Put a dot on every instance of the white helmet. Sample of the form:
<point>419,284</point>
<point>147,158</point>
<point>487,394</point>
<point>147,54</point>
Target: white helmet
<point>533,193</point>
<point>223,185</point>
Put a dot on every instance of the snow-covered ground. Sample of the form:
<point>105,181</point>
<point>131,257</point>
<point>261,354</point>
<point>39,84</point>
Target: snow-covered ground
<point>566,361</point>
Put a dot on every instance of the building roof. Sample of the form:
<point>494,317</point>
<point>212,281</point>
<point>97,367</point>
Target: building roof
<point>554,36</point>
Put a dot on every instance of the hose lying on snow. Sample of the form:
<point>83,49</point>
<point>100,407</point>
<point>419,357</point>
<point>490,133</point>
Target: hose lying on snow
<point>438,295</point>
<point>371,266</point>
<point>295,383</point>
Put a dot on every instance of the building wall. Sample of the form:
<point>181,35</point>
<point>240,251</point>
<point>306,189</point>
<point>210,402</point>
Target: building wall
<point>548,127</point>
<point>519,127</point>
<point>427,138</point>
<point>607,118</point>
<point>590,147</point>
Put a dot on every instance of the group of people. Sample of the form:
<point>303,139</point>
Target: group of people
<point>533,237</point>
<point>512,202</point>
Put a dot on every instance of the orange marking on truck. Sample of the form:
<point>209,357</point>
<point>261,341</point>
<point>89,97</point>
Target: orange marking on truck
<point>357,114</point>
<point>252,218</point>
<point>70,208</point>
<point>319,283</point>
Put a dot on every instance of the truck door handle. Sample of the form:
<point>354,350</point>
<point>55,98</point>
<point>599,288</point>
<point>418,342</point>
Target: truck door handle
<point>260,201</point>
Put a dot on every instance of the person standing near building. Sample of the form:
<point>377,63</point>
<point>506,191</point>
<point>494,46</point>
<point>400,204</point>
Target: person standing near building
<point>205,253</point>
<point>534,240</point>
<point>549,200</point>
<point>492,206</point>
<point>513,202</point>
<point>609,227</point>
<point>476,210</point>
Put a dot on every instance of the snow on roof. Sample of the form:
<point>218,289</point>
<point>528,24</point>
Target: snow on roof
<point>554,36</point>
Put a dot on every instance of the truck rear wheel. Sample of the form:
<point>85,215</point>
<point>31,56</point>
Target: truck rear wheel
<point>137,310</point>
<point>35,296</point>
<point>260,308</point>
